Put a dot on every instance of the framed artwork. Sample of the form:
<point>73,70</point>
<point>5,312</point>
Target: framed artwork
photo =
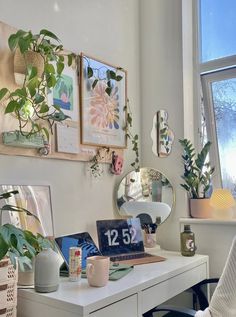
<point>66,93</point>
<point>36,199</point>
<point>103,93</point>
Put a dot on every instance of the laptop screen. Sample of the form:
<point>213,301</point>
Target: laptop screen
<point>82,240</point>
<point>120,236</point>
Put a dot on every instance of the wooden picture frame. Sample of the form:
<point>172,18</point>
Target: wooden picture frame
<point>103,101</point>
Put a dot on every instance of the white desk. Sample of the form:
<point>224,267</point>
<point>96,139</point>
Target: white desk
<point>145,287</point>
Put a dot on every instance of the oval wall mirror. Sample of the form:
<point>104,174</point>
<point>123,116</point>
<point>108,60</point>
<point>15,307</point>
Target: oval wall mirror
<point>146,194</point>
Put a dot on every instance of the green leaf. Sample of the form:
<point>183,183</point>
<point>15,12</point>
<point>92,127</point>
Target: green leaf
<point>38,99</point>
<point>24,45</point>
<point>94,83</point>
<point>32,86</point>
<point>45,130</point>
<point>18,209</point>
<point>3,247</point>
<point>3,92</point>
<point>8,194</point>
<point>32,71</point>
<point>13,41</point>
<point>20,92</point>
<point>49,34</point>
<point>11,107</point>
<point>89,72</point>
<point>118,78</point>
<point>44,108</point>
<point>58,116</point>
<point>51,81</point>
<point>70,59</point>
<point>49,68</point>
<point>108,90</point>
<point>60,67</point>
<point>58,108</point>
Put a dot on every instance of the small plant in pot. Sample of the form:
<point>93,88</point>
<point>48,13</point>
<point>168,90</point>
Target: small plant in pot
<point>197,178</point>
<point>19,245</point>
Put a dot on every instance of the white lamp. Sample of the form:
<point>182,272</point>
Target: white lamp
<point>222,202</point>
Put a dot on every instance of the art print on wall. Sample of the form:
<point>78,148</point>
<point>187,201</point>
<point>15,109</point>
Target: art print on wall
<point>36,199</point>
<point>103,100</point>
<point>66,93</point>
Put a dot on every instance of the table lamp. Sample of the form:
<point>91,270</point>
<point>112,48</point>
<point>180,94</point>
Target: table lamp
<point>222,202</point>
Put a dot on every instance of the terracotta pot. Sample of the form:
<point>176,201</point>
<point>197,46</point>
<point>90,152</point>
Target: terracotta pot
<point>21,62</point>
<point>200,208</point>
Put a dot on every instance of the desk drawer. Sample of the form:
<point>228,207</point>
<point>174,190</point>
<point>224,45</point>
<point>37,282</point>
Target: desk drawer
<point>159,293</point>
<point>125,307</point>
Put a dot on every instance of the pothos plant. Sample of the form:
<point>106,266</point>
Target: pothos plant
<point>109,77</point>
<point>197,169</point>
<point>18,244</point>
<point>29,102</point>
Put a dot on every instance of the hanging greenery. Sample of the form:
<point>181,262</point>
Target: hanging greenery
<point>29,102</point>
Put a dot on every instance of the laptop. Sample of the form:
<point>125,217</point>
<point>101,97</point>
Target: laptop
<point>122,241</point>
<point>82,240</point>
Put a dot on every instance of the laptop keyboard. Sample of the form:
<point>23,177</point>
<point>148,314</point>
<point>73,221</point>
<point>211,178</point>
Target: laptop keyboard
<point>129,257</point>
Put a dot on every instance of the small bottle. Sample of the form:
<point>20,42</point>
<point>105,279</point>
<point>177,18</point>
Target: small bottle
<point>187,241</point>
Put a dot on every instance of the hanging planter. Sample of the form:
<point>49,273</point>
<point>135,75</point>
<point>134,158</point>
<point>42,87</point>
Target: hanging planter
<point>20,65</point>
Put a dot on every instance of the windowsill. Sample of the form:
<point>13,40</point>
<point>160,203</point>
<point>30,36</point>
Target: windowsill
<point>208,221</point>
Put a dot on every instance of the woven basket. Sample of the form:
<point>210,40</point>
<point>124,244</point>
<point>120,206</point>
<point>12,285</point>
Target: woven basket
<point>8,289</point>
<point>21,62</point>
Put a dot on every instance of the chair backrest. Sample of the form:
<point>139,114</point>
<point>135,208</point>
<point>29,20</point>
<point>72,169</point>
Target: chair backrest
<point>223,301</point>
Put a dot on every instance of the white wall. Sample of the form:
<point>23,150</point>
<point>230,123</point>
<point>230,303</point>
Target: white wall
<point>108,30</point>
<point>162,88</point>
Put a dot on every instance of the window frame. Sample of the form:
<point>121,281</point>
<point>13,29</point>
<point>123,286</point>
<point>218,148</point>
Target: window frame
<point>206,73</point>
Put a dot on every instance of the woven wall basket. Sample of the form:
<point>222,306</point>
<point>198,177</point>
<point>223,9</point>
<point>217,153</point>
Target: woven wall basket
<point>21,62</point>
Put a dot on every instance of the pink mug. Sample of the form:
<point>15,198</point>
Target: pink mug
<point>97,270</point>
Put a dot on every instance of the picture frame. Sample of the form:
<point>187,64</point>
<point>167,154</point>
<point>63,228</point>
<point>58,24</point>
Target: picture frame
<point>103,100</point>
<point>36,199</point>
<point>66,93</point>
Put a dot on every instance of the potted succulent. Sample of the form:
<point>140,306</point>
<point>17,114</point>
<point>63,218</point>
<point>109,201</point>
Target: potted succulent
<point>19,245</point>
<point>197,178</point>
<point>39,60</point>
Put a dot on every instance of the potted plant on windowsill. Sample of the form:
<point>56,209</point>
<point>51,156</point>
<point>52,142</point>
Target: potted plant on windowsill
<point>197,178</point>
<point>18,245</point>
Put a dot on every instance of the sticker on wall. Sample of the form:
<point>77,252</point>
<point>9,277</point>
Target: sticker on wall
<point>162,136</point>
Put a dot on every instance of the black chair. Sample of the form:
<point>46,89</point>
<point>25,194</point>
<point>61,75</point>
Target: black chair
<point>223,301</point>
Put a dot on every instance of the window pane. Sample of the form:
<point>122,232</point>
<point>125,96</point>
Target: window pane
<point>218,24</point>
<point>224,104</point>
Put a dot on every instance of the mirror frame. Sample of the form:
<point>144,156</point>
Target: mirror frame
<point>173,193</point>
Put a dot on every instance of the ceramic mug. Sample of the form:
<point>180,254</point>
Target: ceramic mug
<point>97,270</point>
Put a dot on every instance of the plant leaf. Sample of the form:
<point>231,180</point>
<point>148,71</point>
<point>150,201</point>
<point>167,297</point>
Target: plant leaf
<point>89,72</point>
<point>94,83</point>
<point>3,92</point>
<point>49,34</point>
<point>11,107</point>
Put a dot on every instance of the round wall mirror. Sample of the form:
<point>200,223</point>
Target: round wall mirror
<point>146,194</point>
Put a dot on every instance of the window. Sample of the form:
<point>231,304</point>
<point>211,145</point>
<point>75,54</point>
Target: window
<point>218,77</point>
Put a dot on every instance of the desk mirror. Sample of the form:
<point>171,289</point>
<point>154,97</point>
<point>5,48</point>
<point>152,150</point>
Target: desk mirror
<point>146,194</point>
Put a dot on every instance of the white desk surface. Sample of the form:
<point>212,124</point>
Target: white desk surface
<point>79,298</point>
